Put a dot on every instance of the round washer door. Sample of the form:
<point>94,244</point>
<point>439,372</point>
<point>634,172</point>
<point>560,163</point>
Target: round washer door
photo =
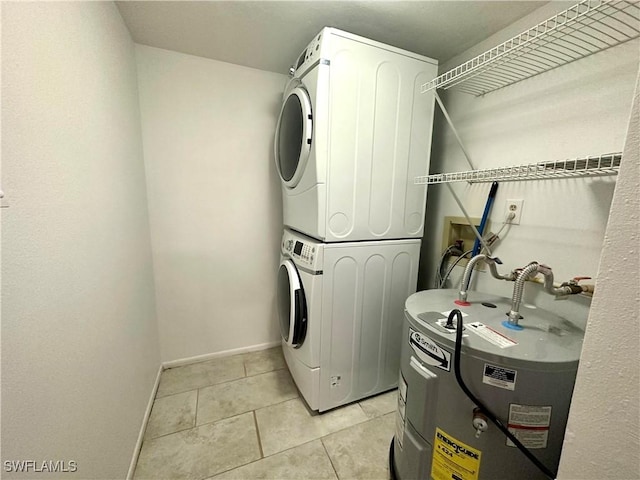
<point>292,305</point>
<point>293,136</point>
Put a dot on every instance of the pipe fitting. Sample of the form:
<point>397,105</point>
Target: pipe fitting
<point>479,422</point>
<point>509,277</point>
<point>548,283</point>
<point>466,277</point>
<point>518,290</point>
<point>573,288</point>
<point>567,288</point>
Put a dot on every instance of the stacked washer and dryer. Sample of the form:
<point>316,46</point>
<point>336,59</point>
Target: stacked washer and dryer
<point>353,133</point>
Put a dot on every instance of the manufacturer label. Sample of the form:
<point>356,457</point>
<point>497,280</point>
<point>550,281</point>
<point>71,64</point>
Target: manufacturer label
<point>529,424</point>
<point>499,377</point>
<point>491,335</point>
<point>428,351</point>
<point>453,460</point>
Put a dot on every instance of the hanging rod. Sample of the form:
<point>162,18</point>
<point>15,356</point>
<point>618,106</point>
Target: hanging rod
<point>586,28</point>
<point>607,164</point>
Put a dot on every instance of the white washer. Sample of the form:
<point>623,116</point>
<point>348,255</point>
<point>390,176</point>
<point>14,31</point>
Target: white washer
<point>341,308</point>
<point>353,133</point>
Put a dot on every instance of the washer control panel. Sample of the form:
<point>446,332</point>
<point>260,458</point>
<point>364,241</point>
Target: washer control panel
<point>304,252</point>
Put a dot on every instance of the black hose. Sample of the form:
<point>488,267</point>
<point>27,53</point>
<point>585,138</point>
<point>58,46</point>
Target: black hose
<point>479,404</point>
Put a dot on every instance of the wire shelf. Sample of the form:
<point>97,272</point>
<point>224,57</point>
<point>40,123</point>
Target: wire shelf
<point>586,28</point>
<point>607,164</point>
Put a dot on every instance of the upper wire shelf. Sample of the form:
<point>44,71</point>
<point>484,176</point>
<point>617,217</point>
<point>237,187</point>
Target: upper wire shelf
<point>607,164</point>
<point>582,30</point>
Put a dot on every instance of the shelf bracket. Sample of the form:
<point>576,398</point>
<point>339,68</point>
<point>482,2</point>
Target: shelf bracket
<point>470,162</point>
<point>454,130</point>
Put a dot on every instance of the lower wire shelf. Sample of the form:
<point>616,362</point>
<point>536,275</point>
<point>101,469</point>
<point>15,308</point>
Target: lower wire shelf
<point>607,164</point>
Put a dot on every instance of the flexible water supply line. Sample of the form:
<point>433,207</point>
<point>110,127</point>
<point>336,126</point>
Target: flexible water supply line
<point>573,286</point>
<point>533,268</point>
<point>567,288</point>
<point>518,289</point>
<point>466,277</point>
<point>548,281</point>
<point>510,277</point>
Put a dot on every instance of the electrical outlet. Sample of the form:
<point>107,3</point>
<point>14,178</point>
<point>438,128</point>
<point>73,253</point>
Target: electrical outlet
<point>513,206</point>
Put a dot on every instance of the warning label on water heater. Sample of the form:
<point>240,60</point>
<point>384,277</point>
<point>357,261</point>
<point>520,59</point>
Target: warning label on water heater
<point>529,424</point>
<point>499,376</point>
<point>452,459</point>
<point>491,335</point>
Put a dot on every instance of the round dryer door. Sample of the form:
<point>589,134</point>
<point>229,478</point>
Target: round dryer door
<point>293,136</point>
<point>292,305</point>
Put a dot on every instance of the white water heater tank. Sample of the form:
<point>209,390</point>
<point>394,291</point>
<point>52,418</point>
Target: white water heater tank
<point>524,377</point>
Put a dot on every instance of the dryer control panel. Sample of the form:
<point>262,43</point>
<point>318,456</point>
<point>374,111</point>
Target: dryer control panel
<point>309,55</point>
<point>304,251</point>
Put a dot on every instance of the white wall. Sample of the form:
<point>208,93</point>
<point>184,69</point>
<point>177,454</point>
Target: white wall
<point>577,110</point>
<point>214,200</point>
<point>603,432</point>
<point>79,337</point>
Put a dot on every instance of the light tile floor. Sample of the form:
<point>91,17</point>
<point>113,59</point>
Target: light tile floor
<point>241,417</point>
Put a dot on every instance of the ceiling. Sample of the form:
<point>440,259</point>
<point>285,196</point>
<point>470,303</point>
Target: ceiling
<point>269,35</point>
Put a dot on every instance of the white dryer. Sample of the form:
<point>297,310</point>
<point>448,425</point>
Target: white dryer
<point>353,133</point>
<point>341,308</point>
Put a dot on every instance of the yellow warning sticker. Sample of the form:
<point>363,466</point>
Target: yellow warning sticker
<point>453,460</point>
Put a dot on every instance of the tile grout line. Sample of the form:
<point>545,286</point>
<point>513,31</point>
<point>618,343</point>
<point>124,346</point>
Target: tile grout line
<point>196,426</point>
<point>195,417</point>
<point>268,371</point>
<point>221,383</point>
<point>255,421</point>
<point>267,406</point>
<point>264,458</point>
<point>234,415</point>
<point>275,453</point>
<point>356,424</point>
<point>367,420</point>
<point>172,433</point>
<point>329,457</point>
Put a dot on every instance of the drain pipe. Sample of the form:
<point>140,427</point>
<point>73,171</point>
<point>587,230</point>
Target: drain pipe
<point>466,277</point>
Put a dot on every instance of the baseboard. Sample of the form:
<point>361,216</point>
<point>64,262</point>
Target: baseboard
<point>143,427</point>
<point>225,353</point>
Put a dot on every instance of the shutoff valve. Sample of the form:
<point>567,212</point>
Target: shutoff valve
<point>479,422</point>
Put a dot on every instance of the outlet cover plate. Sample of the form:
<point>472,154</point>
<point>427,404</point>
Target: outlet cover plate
<point>513,206</point>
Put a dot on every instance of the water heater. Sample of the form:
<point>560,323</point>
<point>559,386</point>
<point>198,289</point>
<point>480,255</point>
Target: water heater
<point>524,376</point>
